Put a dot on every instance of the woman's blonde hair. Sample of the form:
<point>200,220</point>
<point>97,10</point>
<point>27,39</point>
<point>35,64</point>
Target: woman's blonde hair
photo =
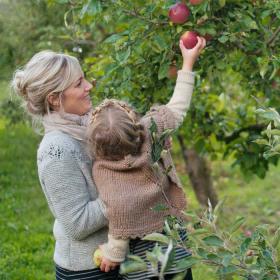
<point>114,131</point>
<point>46,73</point>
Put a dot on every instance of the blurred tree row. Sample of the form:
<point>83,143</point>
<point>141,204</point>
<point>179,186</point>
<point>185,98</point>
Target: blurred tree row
<point>25,28</point>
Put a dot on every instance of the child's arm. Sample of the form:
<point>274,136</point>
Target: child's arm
<point>180,100</point>
<point>171,115</point>
<point>113,252</point>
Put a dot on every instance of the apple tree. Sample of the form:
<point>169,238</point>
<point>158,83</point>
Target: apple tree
<point>131,49</point>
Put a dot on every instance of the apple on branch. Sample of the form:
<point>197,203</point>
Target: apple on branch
<point>189,39</point>
<point>179,13</point>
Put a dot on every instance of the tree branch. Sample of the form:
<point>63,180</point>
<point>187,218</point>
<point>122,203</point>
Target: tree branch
<point>135,14</point>
<point>273,37</point>
<point>235,134</point>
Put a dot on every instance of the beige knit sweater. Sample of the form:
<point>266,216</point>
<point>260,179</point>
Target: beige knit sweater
<point>131,188</point>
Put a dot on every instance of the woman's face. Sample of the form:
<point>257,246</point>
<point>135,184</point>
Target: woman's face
<point>76,99</point>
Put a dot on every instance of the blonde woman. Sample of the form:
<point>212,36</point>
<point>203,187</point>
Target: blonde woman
<point>55,90</point>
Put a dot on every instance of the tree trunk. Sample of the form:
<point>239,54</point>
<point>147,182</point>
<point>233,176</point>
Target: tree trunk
<point>199,174</point>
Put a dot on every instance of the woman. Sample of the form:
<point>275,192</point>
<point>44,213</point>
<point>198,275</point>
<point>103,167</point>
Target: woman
<point>54,89</point>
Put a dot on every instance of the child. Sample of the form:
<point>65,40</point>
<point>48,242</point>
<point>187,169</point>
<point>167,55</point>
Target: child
<point>120,142</point>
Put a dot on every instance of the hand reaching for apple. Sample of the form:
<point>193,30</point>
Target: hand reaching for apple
<point>191,55</point>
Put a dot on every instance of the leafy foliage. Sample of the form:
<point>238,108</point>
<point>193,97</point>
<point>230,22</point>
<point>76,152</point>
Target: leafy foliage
<point>228,252</point>
<point>271,139</point>
<point>135,44</point>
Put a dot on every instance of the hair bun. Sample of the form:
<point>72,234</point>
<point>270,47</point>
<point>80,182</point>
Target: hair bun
<point>19,85</point>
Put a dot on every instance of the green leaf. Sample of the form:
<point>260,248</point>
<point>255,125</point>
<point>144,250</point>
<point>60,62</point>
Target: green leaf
<point>227,260</point>
<point>222,3</point>
<point>163,69</point>
<point>135,258</point>
<point>213,257</point>
<point>237,224</point>
<point>223,39</point>
<point>113,38</point>
<point>263,65</point>
<point>186,263</point>
<point>202,252</point>
<point>275,132</point>
<point>277,148</point>
<point>261,142</point>
<point>227,270</point>
<point>276,238</point>
<point>213,240</point>
<point>132,266</point>
<point>95,7</point>
<point>158,237</point>
<point>123,56</point>
<point>153,259</point>
<point>168,257</point>
<point>245,245</point>
<point>160,207</point>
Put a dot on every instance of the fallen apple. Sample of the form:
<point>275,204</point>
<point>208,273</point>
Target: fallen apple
<point>179,13</point>
<point>189,39</point>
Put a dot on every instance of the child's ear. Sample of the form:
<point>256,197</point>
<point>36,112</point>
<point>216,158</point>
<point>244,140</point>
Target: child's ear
<point>53,100</point>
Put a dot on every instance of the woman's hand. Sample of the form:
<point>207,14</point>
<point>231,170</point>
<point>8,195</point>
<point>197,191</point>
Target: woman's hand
<point>106,265</point>
<point>191,55</point>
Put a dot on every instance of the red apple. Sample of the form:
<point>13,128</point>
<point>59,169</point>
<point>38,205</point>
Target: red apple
<point>189,39</point>
<point>179,13</point>
<point>172,72</point>
<point>195,2</point>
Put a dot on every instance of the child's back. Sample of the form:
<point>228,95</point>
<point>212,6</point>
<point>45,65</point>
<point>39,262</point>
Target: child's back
<point>123,169</point>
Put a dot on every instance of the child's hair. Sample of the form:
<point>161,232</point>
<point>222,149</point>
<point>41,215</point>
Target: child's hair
<point>114,131</point>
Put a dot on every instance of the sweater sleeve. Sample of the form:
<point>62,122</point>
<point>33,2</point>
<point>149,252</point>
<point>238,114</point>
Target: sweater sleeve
<point>115,249</point>
<point>171,115</point>
<point>65,188</point>
<point>181,98</point>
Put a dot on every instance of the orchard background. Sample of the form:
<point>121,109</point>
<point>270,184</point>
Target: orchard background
<point>227,149</point>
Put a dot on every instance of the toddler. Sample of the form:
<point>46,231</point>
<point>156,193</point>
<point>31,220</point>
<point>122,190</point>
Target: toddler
<point>123,170</point>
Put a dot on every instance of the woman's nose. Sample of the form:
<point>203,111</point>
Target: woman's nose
<point>88,86</point>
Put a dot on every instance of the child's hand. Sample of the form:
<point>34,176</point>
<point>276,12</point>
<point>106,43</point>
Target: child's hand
<point>190,55</point>
<point>106,265</point>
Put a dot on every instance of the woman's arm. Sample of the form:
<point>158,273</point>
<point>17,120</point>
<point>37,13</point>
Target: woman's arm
<point>66,190</point>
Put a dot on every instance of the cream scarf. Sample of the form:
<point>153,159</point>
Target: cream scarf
<point>71,124</point>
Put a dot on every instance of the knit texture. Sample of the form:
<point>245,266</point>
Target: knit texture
<point>131,188</point>
<point>80,226</point>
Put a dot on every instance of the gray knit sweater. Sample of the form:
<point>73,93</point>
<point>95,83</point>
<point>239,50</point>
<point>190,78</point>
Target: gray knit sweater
<point>65,175</point>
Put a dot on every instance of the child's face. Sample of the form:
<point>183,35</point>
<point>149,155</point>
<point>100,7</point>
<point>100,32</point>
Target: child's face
<point>76,99</point>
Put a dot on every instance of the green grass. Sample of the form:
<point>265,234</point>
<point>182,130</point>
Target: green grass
<point>26,242</point>
<point>4,90</point>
